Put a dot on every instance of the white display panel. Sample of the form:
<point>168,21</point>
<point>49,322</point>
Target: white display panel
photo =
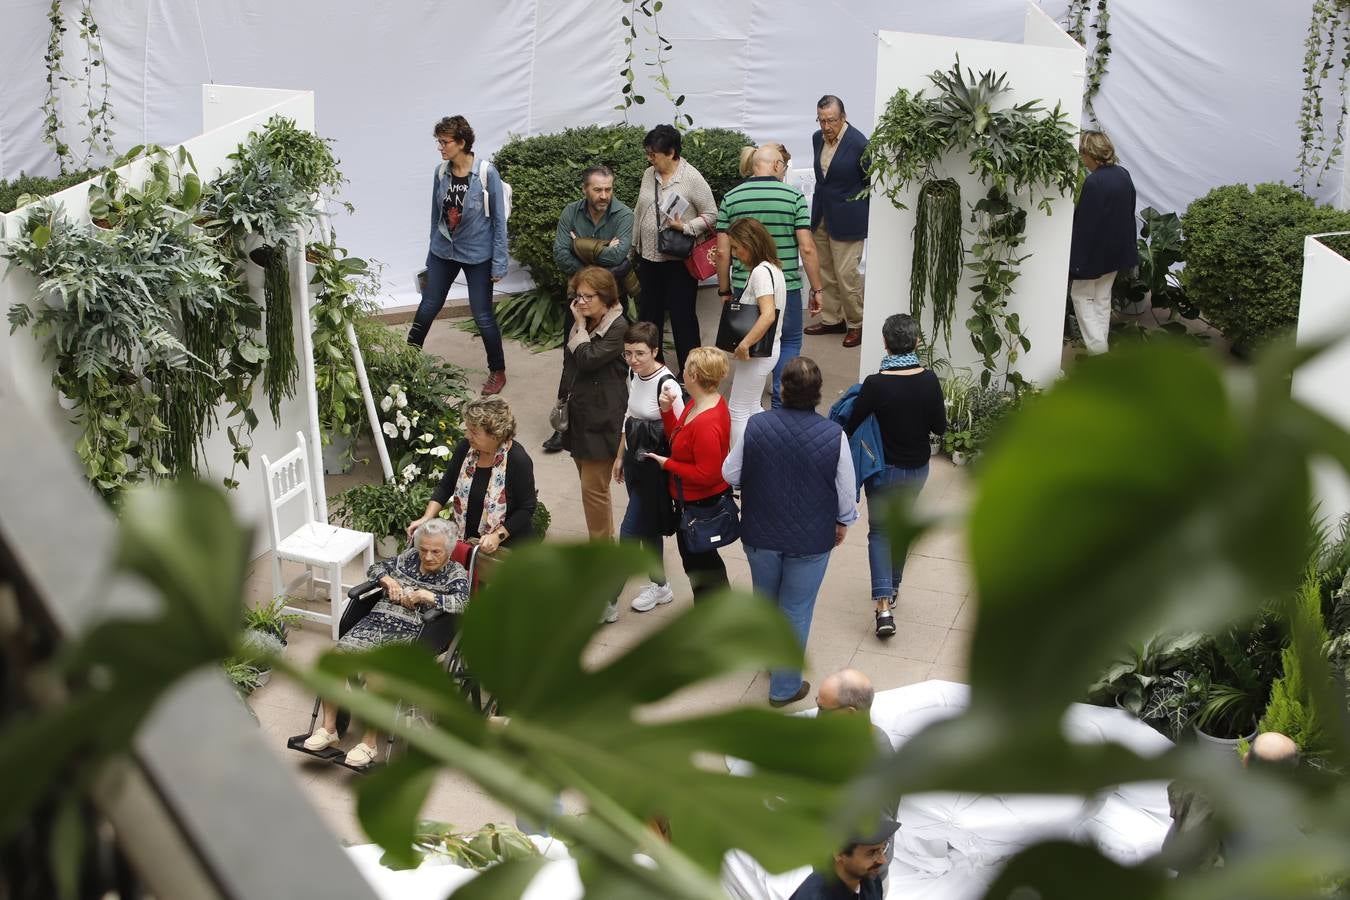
<point>1052,75</point>
<point>1324,315</point>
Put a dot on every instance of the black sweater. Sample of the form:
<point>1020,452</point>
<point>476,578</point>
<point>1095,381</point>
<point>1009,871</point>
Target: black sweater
<point>520,495</point>
<point>907,407</point>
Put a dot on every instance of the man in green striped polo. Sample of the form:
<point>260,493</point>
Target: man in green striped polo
<point>781,209</point>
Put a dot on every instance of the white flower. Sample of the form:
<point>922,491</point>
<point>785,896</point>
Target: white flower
<point>386,404</point>
<point>411,471</point>
<point>405,434</point>
<point>389,429</point>
<point>402,400</point>
<point>395,390</point>
<point>426,439</point>
<point>438,474</point>
<point>402,421</point>
<point>442,451</point>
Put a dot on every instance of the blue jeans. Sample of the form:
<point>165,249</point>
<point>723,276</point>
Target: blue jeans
<point>790,345</point>
<point>440,274</point>
<point>640,521</point>
<point>882,487</point>
<point>792,582</point>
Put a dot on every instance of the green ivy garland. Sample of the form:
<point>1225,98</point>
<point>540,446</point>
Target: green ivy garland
<point>628,89</point>
<point>1023,149</point>
<point>1328,43</point>
<point>1076,23</point>
<point>56,76</point>
<point>97,109</point>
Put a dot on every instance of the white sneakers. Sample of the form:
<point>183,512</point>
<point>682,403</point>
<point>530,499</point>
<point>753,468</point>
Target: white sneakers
<point>652,596</point>
<point>321,739</point>
<point>361,755</point>
<point>611,614</point>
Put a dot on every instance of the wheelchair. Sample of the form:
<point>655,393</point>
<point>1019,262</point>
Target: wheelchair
<point>440,632</point>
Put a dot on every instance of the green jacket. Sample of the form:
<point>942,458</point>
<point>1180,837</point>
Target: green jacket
<point>616,223</point>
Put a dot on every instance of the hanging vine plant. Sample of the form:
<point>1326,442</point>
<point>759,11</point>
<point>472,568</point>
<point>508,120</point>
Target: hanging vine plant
<point>1326,49</point>
<point>628,89</point>
<point>936,268</point>
<point>1023,150</point>
<point>97,114</point>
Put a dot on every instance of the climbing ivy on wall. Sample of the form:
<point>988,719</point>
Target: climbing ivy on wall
<point>1081,16</point>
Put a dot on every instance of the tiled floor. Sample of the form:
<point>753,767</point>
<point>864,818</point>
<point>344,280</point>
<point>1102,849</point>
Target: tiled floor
<point>934,616</point>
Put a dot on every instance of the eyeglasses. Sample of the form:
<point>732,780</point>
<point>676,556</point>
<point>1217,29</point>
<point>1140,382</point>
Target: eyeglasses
<point>636,354</point>
<point>444,142</point>
<point>586,298</point>
<point>828,120</point>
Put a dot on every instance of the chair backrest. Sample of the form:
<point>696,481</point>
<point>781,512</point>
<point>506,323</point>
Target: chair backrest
<point>285,480</point>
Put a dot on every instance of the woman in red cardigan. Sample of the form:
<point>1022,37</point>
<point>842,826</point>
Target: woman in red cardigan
<point>699,442</point>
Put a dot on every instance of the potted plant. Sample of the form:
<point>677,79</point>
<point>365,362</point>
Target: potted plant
<point>1150,682</point>
<point>344,289</point>
<point>1161,248</point>
<point>1238,668</point>
<point>383,509</point>
<point>959,444</point>
<point>266,628</point>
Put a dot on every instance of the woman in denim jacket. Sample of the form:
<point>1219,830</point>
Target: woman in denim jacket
<point>464,237</point>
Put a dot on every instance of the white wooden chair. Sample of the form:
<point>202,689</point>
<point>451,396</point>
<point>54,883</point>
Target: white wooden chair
<point>314,544</point>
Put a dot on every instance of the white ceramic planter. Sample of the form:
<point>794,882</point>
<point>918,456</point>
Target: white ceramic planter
<point>934,445</point>
<point>1221,748</point>
<point>960,457</point>
<point>386,546</point>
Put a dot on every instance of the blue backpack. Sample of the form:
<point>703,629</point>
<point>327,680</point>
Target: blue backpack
<point>865,444</point>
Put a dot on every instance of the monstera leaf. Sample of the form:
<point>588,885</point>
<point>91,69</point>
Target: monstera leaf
<point>585,729</point>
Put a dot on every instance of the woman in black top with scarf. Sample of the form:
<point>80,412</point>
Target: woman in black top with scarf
<point>489,480</point>
<point>907,401</point>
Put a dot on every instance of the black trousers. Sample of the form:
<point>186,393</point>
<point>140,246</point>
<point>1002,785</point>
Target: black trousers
<point>707,573</point>
<point>668,288</point>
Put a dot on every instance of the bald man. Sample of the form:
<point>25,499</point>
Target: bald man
<point>850,691</point>
<point>1272,749</point>
<point>781,209</point>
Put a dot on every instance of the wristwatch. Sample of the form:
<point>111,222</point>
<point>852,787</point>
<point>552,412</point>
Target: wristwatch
<point>724,293</point>
<point>815,291</point>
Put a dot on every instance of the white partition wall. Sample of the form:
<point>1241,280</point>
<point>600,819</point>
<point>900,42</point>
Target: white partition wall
<point>1047,67</point>
<point>23,371</point>
<point>1324,314</point>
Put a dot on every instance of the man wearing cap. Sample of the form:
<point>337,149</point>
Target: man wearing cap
<point>857,869</point>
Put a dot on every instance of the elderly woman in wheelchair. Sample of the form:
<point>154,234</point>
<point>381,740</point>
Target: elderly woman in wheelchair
<point>400,607</point>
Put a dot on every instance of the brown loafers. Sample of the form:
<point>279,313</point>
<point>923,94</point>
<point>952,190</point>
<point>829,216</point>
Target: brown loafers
<point>853,337</point>
<point>823,328</point>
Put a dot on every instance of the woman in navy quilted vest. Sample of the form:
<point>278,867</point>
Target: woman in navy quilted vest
<point>788,534</point>
<point>907,401</point>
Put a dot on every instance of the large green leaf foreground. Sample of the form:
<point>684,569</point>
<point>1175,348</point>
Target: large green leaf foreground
<point>1145,492</point>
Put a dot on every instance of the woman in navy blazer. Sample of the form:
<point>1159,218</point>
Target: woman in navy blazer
<point>1104,240</point>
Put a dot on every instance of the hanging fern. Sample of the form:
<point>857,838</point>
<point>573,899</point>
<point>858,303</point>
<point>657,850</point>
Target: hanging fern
<point>282,370</point>
<point>938,253</point>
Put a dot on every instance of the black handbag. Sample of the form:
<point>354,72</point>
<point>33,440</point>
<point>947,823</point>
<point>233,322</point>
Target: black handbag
<point>738,317</point>
<point>709,527</point>
<point>669,242</point>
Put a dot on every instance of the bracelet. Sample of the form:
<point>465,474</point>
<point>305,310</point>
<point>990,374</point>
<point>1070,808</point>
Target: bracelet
<point>725,293</point>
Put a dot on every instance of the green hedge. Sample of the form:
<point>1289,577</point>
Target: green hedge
<point>545,175</point>
<point>11,191</point>
<point>1244,257</point>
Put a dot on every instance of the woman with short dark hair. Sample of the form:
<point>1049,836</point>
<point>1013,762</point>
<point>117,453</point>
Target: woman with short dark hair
<point>667,286</point>
<point>466,236</point>
<point>906,399</point>
<point>594,386</point>
<point>797,500</point>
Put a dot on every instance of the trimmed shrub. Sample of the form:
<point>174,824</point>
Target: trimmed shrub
<point>11,191</point>
<point>1244,257</point>
<point>545,175</point>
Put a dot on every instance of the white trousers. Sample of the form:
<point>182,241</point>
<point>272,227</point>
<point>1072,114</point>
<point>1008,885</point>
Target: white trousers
<point>1092,307</point>
<point>747,391</point>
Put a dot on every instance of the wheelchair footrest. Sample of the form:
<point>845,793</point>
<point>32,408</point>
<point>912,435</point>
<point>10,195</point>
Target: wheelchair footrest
<point>335,755</point>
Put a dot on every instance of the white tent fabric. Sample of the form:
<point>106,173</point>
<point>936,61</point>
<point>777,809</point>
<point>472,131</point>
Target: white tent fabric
<point>951,846</point>
<point>1197,95</point>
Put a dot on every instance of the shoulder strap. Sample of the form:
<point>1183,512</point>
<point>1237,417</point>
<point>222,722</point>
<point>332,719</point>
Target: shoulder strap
<point>482,178</point>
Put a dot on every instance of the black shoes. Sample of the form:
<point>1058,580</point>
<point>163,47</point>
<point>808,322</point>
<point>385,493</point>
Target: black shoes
<point>800,695</point>
<point>885,624</point>
<point>554,443</point>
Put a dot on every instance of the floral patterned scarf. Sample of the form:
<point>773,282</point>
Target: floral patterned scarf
<point>494,498</point>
